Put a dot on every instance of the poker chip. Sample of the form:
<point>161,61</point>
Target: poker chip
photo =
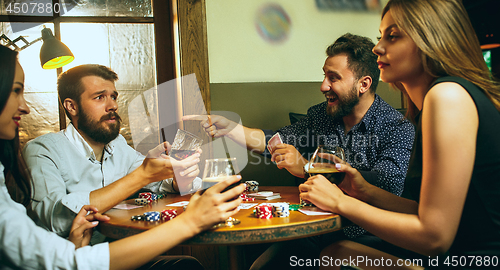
<point>146,195</point>
<point>294,207</point>
<point>245,198</point>
<point>154,196</point>
<point>138,218</point>
<point>305,203</point>
<point>280,210</point>
<point>264,211</point>
<point>168,214</point>
<point>269,210</point>
<point>152,216</point>
<point>252,186</point>
<point>141,201</point>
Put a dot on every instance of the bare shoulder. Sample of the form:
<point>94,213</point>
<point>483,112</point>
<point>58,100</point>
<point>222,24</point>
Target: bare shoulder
<point>449,94</point>
<point>448,105</point>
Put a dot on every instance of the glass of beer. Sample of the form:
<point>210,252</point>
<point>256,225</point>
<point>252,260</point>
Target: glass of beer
<point>323,162</point>
<point>217,170</point>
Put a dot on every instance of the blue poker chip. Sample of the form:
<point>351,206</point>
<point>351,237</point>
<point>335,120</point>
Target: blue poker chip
<point>152,216</point>
<point>154,196</point>
<point>252,183</point>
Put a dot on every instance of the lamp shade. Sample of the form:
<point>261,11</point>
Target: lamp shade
<point>54,53</point>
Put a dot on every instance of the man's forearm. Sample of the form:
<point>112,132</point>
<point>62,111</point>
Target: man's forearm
<point>251,138</point>
<point>107,197</point>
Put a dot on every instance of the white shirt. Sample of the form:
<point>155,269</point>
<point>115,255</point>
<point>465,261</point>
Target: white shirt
<point>24,245</point>
<point>64,171</point>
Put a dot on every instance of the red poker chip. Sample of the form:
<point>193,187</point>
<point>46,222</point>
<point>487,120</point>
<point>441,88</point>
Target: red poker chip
<point>264,211</point>
<point>265,216</point>
<point>168,214</point>
<point>146,195</point>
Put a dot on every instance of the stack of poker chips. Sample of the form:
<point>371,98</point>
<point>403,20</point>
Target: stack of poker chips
<point>305,203</point>
<point>141,201</point>
<point>146,197</point>
<point>280,210</point>
<point>252,186</point>
<point>246,198</point>
<point>138,218</point>
<point>168,214</point>
<point>264,211</point>
<point>152,216</point>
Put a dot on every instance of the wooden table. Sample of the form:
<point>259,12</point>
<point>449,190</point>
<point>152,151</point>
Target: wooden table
<point>251,230</point>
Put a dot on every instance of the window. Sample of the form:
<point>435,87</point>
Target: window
<point>115,33</point>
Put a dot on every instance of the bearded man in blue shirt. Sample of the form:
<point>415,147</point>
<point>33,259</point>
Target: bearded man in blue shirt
<point>90,163</point>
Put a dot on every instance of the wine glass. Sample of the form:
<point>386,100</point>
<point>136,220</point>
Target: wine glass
<point>323,162</point>
<point>217,170</point>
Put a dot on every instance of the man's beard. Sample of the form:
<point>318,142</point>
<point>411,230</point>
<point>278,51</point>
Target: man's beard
<point>94,129</point>
<point>345,105</point>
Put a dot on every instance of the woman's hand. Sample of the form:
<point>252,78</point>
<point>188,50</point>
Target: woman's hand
<point>83,224</point>
<point>214,207</point>
<point>353,184</point>
<point>321,192</point>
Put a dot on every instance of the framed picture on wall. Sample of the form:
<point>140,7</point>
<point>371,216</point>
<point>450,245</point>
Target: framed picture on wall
<point>348,5</point>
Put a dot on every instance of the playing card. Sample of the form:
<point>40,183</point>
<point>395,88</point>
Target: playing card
<point>275,140</point>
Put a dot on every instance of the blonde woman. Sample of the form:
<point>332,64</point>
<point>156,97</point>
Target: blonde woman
<point>451,210</point>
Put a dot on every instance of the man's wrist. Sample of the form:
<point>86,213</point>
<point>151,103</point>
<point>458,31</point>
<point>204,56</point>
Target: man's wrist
<point>142,176</point>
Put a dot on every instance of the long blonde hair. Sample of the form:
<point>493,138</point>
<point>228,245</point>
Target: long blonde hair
<point>442,31</point>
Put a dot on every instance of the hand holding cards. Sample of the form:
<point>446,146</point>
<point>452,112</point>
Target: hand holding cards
<point>275,140</point>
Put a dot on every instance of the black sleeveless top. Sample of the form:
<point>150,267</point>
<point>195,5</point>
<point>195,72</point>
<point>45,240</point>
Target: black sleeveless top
<point>479,230</point>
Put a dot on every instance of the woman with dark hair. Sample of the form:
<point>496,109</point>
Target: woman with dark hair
<point>428,49</point>
<point>9,149</point>
<point>24,245</point>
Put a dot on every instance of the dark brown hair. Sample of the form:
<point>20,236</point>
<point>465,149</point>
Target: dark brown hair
<point>69,83</point>
<point>360,58</point>
<point>16,175</point>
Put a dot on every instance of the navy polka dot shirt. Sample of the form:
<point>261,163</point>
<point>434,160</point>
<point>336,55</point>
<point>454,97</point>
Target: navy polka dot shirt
<point>379,146</point>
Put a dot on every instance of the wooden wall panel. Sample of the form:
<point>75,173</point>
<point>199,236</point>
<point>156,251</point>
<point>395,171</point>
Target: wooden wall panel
<point>194,59</point>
